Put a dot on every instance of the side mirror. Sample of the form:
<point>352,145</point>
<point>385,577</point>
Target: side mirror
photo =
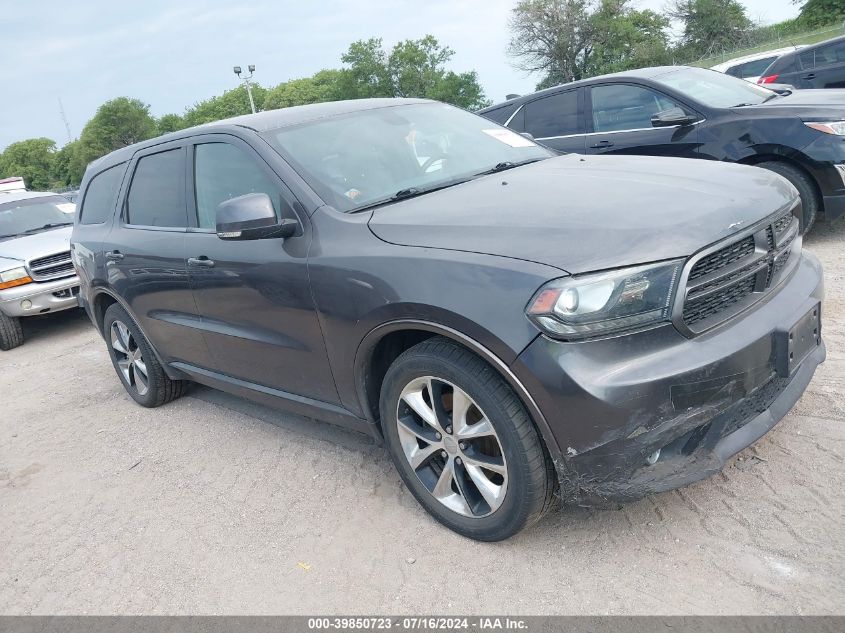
<point>251,217</point>
<point>671,117</point>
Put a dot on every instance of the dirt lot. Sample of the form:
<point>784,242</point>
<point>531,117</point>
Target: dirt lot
<point>215,505</point>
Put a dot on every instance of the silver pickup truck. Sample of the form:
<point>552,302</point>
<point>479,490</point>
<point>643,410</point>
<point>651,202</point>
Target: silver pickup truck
<point>36,272</point>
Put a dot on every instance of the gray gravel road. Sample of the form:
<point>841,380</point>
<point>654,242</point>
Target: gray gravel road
<point>215,505</point>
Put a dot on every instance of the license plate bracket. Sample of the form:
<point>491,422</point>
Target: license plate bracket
<point>793,346</point>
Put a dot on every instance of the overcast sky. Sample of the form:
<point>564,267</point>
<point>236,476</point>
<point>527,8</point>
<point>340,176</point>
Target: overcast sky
<point>172,54</point>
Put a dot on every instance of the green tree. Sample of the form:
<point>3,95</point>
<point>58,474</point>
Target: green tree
<point>552,37</point>
<point>169,123</point>
<point>231,103</point>
<point>625,38</point>
<point>567,40</point>
<point>323,86</point>
<point>817,13</point>
<point>710,26</point>
<point>32,159</point>
<point>68,167</point>
<point>117,123</point>
<point>413,68</point>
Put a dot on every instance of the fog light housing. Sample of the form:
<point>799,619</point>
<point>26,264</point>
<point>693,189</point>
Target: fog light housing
<point>26,304</point>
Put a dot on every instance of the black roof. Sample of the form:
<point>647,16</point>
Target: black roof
<point>260,122</point>
<point>640,73</point>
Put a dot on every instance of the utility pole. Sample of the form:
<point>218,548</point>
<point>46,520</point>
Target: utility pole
<point>246,83</point>
<point>64,118</point>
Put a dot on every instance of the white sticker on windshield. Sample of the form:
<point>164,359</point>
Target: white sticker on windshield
<point>67,207</point>
<point>509,138</point>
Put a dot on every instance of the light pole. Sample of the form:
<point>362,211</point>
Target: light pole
<point>246,83</point>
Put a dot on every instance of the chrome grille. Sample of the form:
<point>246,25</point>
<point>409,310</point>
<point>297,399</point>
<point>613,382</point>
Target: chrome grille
<point>51,267</point>
<point>728,278</point>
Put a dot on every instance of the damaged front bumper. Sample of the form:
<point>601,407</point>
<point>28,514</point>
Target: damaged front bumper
<point>652,411</point>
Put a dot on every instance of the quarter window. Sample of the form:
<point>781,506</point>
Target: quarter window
<point>101,196</point>
<point>157,194</point>
<point>625,107</point>
<point>750,69</point>
<point>223,171</point>
<point>556,115</point>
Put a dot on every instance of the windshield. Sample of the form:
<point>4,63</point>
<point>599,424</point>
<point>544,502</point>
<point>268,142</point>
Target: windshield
<point>373,156</point>
<point>713,88</point>
<point>32,215</point>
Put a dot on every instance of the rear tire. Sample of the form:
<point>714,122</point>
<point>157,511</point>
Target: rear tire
<point>438,453</point>
<point>11,332</point>
<point>135,362</point>
<point>806,190</point>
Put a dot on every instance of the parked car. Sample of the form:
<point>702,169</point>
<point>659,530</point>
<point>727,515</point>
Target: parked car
<point>821,65</point>
<point>697,113</point>
<point>36,272</point>
<point>509,322</point>
<point>751,67</point>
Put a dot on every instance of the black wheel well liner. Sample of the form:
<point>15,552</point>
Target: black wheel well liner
<point>386,342</point>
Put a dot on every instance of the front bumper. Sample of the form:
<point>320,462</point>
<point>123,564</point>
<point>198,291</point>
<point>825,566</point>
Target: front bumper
<point>612,404</point>
<point>40,297</point>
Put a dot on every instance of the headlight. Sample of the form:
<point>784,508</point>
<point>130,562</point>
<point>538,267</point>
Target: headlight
<point>829,127</point>
<point>605,303</point>
<point>14,277</point>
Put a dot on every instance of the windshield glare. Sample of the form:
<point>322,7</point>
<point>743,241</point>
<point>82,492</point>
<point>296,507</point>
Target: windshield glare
<point>30,215</point>
<point>367,157</point>
<point>713,88</point>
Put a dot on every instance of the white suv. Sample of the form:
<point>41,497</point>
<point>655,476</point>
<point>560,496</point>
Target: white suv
<point>751,67</point>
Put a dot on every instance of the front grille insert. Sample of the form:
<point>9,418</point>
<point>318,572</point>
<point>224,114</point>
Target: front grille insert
<point>723,257</point>
<point>51,267</point>
<point>725,281</point>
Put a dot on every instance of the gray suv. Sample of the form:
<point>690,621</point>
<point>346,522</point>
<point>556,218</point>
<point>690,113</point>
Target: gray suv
<point>36,272</point>
<point>509,322</point>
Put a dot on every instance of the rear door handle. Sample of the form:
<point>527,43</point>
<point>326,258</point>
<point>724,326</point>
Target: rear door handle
<point>601,144</point>
<point>202,262</point>
<point>114,256</point>
<point>810,76</point>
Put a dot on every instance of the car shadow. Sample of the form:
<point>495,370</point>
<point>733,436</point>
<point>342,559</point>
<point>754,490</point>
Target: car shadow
<point>825,231</point>
<point>57,324</point>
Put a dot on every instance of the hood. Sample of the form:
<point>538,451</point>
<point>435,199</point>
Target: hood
<point>49,242</point>
<point>584,213</point>
<point>807,104</point>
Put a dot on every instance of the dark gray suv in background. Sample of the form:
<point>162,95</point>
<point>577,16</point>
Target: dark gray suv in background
<point>508,321</point>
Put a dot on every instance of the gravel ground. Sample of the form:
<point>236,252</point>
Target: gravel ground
<point>215,505</point>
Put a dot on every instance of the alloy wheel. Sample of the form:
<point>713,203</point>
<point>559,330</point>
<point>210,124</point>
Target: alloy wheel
<point>129,359</point>
<point>452,447</point>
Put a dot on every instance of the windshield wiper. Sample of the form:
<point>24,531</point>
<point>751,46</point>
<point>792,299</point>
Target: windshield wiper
<point>50,225</point>
<point>742,105</point>
<point>411,192</point>
<point>508,164</point>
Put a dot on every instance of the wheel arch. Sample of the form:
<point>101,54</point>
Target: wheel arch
<point>102,300</point>
<point>384,343</point>
<point>767,157</point>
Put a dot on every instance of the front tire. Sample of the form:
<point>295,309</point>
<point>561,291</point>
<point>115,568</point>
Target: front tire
<point>11,332</point>
<point>135,362</point>
<point>463,442</point>
<point>806,190</point>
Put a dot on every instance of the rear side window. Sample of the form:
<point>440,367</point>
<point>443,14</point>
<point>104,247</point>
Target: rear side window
<point>223,171</point>
<point>553,116</point>
<point>751,69</point>
<point>500,115</point>
<point>101,196</point>
<point>157,194</point>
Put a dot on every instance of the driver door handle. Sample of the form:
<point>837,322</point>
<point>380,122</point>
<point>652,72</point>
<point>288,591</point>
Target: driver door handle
<point>202,262</point>
<point>601,144</point>
<point>810,76</point>
<point>114,256</point>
